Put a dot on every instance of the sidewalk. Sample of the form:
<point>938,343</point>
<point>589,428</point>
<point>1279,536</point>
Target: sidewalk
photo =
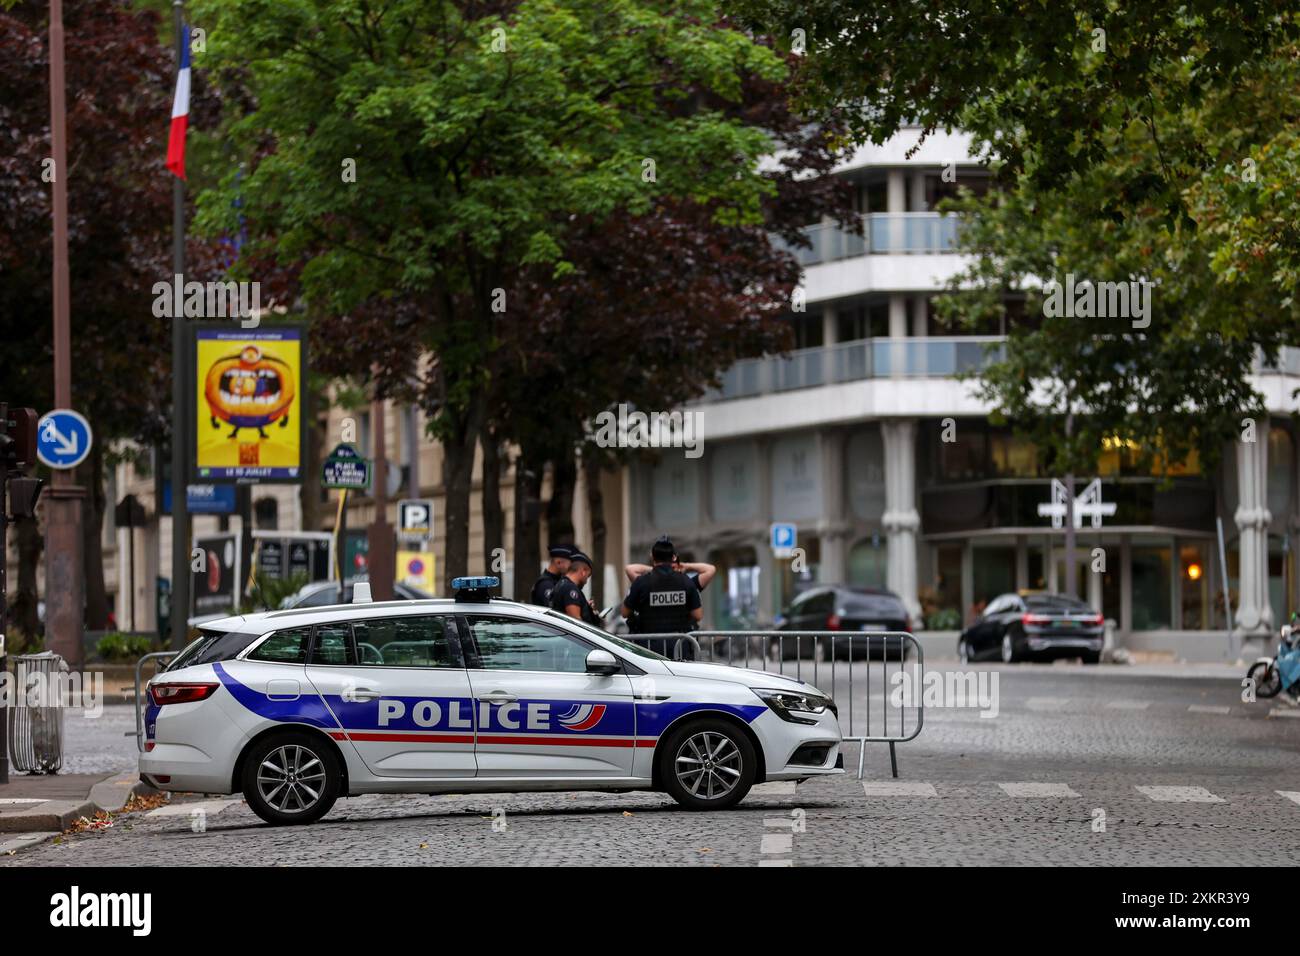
<point>50,803</point>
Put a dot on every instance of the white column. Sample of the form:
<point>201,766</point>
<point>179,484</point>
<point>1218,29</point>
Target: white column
<point>901,520</point>
<point>897,332</point>
<point>917,187</point>
<point>831,529</point>
<point>896,206</point>
<point>1254,616</point>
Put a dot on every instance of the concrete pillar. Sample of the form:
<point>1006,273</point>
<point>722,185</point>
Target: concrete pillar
<point>830,332</point>
<point>896,206</point>
<point>897,332</point>
<point>916,186</point>
<point>831,528</point>
<point>769,577</point>
<point>1253,620</point>
<point>901,519</point>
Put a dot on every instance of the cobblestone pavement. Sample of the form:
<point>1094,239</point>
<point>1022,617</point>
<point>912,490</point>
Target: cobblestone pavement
<point>1054,778</point>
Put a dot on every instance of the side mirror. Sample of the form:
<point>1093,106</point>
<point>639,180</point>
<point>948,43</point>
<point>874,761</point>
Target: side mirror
<point>603,663</point>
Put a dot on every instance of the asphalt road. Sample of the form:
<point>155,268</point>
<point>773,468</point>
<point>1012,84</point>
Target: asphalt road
<point>1095,766</point>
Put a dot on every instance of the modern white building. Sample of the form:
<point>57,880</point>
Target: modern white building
<point>865,439</point>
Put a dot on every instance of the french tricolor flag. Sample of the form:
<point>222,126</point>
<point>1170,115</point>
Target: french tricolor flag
<point>180,113</point>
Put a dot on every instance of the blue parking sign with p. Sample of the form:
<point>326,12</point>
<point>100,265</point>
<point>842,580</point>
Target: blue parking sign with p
<point>784,536</point>
<point>62,438</point>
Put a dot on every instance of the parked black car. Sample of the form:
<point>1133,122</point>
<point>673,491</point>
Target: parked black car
<point>1034,626</point>
<point>863,613</point>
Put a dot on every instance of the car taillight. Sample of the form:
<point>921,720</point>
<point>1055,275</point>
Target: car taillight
<point>1034,619</point>
<point>1097,619</point>
<point>180,693</point>
<point>833,622</point>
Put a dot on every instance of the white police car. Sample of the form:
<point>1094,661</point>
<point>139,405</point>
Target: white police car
<point>298,708</point>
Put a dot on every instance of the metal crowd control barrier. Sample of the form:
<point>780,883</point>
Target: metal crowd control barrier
<point>139,720</point>
<point>36,719</point>
<point>854,668</point>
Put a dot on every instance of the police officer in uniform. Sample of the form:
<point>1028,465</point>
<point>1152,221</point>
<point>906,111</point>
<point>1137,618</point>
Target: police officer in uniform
<point>664,601</point>
<point>567,595</point>
<point>555,571</point>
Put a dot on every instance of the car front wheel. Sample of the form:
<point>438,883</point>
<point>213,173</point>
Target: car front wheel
<point>290,778</point>
<point>707,765</point>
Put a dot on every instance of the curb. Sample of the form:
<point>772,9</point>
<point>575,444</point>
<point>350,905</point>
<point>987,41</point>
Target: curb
<point>54,816</point>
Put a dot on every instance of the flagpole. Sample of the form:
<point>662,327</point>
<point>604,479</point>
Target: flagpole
<point>180,603</point>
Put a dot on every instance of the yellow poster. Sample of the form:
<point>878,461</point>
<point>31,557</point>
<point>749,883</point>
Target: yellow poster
<point>415,569</point>
<point>248,403</point>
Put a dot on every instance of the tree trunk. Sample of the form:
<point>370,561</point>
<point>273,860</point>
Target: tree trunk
<point>92,539</point>
<point>559,509</point>
<point>313,457</point>
<point>458,482</point>
<point>528,512</point>
<point>591,471</point>
<point>494,519</point>
<point>23,615</point>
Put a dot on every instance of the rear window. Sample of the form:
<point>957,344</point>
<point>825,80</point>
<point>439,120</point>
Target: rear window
<point>872,605</point>
<point>1056,603</point>
<point>212,646</point>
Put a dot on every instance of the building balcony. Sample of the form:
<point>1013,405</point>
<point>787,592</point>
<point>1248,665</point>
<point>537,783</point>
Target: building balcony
<point>888,358</point>
<point>863,359</point>
<point>909,233</point>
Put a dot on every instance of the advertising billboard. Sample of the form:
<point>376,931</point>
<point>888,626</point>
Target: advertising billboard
<point>248,412</point>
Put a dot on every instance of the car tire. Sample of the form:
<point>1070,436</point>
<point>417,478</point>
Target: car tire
<point>963,651</point>
<point>730,758</point>
<point>310,766</point>
<point>1010,654</point>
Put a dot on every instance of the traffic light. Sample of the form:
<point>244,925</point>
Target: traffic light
<point>17,438</point>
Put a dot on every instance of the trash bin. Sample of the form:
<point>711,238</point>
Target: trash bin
<point>36,714</point>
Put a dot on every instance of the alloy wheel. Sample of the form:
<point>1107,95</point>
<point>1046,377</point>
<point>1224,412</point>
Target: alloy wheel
<point>291,779</point>
<point>708,765</point>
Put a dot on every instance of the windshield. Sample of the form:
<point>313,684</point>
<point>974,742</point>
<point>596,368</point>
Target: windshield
<point>628,646</point>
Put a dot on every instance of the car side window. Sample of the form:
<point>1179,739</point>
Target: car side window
<point>407,642</point>
<point>997,607</point>
<point>333,645</point>
<point>284,647</point>
<point>513,644</point>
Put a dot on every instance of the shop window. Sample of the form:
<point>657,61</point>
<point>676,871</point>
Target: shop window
<point>1151,568</point>
<point>867,563</point>
<point>994,573</point>
<point>941,601</point>
<point>1194,585</point>
<point>1012,456</point>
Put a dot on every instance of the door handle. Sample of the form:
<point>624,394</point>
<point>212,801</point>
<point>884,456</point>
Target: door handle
<point>498,697</point>
<point>362,693</point>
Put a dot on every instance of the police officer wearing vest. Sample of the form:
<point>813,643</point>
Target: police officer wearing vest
<point>554,573</point>
<point>568,597</point>
<point>664,601</point>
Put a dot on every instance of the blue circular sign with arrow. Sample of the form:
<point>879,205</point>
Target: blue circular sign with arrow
<point>62,438</point>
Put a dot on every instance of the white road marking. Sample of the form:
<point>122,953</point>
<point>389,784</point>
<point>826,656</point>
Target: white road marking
<point>1180,795</point>
<point>776,844</point>
<point>186,809</point>
<point>776,861</point>
<point>1038,790</point>
<point>1279,712</point>
<point>1128,704</point>
<point>898,788</point>
<point>1208,709</point>
<point>20,801</point>
<point>1047,703</point>
<point>1292,795</point>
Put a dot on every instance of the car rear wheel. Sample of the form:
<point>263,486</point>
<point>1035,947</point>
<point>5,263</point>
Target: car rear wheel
<point>290,778</point>
<point>963,651</point>
<point>1092,657</point>
<point>1009,653</point>
<point>707,765</point>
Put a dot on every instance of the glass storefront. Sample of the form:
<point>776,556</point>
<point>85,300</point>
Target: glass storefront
<point>1152,566</point>
<point>1194,585</point>
<point>993,573</point>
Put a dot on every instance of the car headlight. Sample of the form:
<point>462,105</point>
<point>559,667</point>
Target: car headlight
<point>790,704</point>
